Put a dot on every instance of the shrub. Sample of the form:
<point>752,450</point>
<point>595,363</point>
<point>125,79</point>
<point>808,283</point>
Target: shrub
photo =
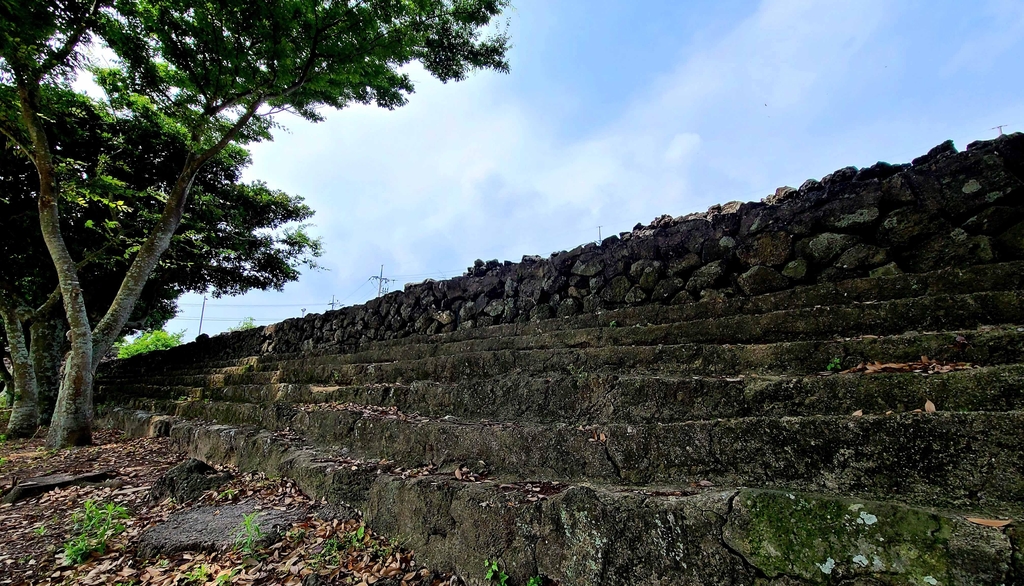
<point>147,342</point>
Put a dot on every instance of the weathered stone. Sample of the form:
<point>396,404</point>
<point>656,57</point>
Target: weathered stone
<point>888,270</point>
<point>858,540</point>
<point>760,279</point>
<point>946,148</point>
<point>542,311</point>
<point>993,220</point>
<point>906,226</point>
<point>863,256</point>
<point>212,528</point>
<point>667,289</point>
<point>682,298</point>
<point>588,268</point>
<point>1011,242</point>
<point>646,273</point>
<point>858,219</point>
<point>495,308</point>
<point>824,248</point>
<point>768,249</point>
<point>188,481</point>
<point>796,269</point>
<point>617,289</point>
<point>706,276</point>
<point>568,307</point>
<point>635,295</point>
<point>682,267</point>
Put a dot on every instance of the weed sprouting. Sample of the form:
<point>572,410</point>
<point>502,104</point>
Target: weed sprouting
<point>94,525</point>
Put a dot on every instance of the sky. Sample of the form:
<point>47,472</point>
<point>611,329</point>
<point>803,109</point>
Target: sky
<point>617,112</point>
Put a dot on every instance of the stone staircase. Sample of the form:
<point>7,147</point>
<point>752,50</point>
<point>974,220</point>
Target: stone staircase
<point>704,436</point>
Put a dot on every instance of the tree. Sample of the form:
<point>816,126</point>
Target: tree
<point>230,240</point>
<point>148,342</point>
<point>247,323</point>
<point>221,70</point>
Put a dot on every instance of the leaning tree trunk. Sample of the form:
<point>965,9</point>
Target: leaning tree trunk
<point>25,415</point>
<point>46,350</point>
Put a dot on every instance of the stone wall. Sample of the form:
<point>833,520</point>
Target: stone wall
<point>946,208</point>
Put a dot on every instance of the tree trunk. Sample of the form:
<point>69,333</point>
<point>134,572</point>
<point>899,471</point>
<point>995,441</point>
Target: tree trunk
<point>25,416</point>
<point>46,350</point>
<point>72,417</point>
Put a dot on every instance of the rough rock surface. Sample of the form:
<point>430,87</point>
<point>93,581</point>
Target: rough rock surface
<point>946,209</point>
<point>823,387</point>
<point>188,481</point>
<point>210,528</point>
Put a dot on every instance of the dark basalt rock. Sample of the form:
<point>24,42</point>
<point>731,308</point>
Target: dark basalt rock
<point>188,481</point>
<point>844,226</point>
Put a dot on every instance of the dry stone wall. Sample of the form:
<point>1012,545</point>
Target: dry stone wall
<point>944,209</point>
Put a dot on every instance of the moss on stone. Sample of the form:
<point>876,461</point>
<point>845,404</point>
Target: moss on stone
<point>831,540</point>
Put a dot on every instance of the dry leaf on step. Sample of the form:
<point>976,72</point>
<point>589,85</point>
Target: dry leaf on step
<point>990,522</point>
<point>929,407</point>
<point>858,413</point>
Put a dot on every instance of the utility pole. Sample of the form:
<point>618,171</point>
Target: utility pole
<point>332,303</point>
<point>202,312</point>
<point>999,128</point>
<point>382,282</point>
<point>599,239</point>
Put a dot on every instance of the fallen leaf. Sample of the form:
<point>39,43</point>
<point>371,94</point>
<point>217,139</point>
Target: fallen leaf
<point>990,522</point>
<point>929,407</point>
<point>858,413</point>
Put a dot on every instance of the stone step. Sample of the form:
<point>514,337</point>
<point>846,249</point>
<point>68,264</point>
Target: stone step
<point>627,398</point>
<point>611,535</point>
<point>961,281</point>
<point>936,313</point>
<point>988,345</point>
<point>953,459</point>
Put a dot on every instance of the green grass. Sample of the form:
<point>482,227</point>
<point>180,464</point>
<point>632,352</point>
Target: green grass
<point>249,534</point>
<point>93,527</point>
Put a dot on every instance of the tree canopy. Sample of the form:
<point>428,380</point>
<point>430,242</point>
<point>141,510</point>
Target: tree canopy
<point>220,71</point>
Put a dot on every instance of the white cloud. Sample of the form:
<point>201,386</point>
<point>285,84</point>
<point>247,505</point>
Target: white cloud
<point>468,170</point>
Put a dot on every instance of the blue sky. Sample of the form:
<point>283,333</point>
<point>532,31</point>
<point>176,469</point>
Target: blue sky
<point>617,112</point>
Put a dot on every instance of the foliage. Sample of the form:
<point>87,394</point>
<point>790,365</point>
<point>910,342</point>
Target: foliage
<point>835,365</point>
<point>148,342</point>
<point>535,581</point>
<point>94,526</point>
<point>199,574</point>
<point>249,534</point>
<point>246,324</point>
<point>494,573</point>
<point>234,236</point>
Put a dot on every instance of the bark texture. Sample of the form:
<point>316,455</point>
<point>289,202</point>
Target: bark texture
<point>46,350</point>
<point>25,415</point>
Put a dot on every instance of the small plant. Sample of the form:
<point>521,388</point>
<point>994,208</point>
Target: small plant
<point>249,534</point>
<point>94,526</point>
<point>199,574</point>
<point>835,365</point>
<point>613,324</point>
<point>225,578</point>
<point>535,581</point>
<point>355,538</point>
<point>40,530</point>
<point>494,573</point>
<point>228,494</point>
<point>2,462</point>
<point>578,372</point>
<point>329,554</point>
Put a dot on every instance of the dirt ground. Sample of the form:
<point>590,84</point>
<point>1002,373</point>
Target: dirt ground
<point>36,531</point>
